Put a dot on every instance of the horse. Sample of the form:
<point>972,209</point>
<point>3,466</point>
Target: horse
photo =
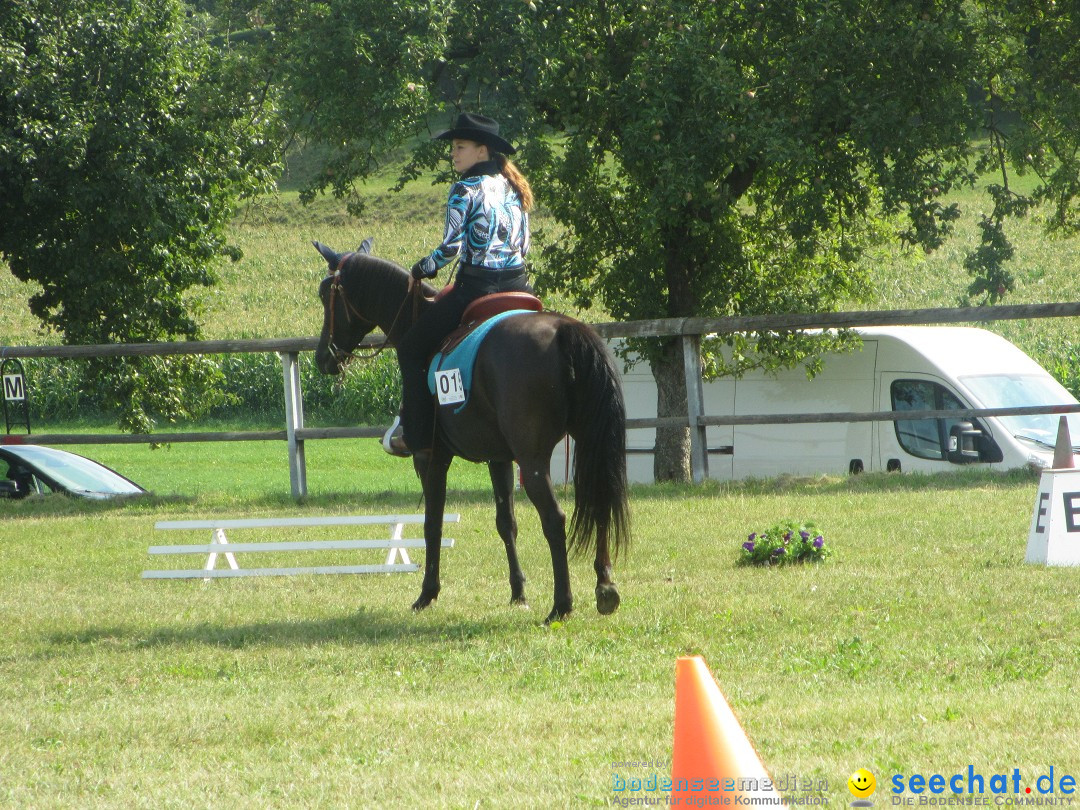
<point>537,377</point>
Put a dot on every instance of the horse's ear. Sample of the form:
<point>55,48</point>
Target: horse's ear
<point>333,259</point>
<point>367,246</point>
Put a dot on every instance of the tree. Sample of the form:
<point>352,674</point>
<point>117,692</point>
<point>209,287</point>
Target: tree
<point>357,76</point>
<point>711,157</point>
<point>737,158</point>
<point>1030,112</point>
<point>125,140</point>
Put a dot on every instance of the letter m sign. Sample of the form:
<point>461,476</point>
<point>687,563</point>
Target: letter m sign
<point>14,388</point>
<point>14,381</point>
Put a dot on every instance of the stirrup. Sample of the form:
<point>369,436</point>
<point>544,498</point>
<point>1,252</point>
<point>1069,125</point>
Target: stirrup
<point>395,444</point>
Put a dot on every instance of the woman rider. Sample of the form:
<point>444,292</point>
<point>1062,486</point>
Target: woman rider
<point>487,229</point>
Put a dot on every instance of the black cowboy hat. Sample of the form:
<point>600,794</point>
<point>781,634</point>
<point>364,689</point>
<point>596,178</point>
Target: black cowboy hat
<point>479,128</point>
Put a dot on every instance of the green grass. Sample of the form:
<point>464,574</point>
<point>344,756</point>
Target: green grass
<point>924,645</point>
<point>1045,269</point>
<point>245,470</point>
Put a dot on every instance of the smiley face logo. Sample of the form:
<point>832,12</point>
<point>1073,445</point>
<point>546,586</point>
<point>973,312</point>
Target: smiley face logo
<point>861,783</point>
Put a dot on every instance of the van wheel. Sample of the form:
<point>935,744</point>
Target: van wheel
<point>892,465</point>
<point>855,466</point>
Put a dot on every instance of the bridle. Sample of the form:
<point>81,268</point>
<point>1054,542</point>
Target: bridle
<point>343,357</point>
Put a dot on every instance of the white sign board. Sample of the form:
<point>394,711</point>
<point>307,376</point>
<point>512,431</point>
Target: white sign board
<point>1054,537</point>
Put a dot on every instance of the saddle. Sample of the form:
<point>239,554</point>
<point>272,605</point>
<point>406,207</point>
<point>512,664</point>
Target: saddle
<point>450,370</point>
<point>485,307</point>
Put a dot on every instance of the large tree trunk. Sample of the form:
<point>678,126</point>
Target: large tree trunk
<point>671,459</point>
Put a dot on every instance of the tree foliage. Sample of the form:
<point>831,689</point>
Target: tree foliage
<point>1029,61</point>
<point>356,76</point>
<point>124,142</point>
<point>738,158</point>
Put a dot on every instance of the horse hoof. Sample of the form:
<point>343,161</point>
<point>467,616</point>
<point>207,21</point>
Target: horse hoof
<point>422,603</point>
<point>607,599</point>
<point>557,615</point>
<point>520,602</point>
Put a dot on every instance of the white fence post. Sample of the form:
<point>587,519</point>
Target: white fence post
<point>695,407</point>
<point>294,419</point>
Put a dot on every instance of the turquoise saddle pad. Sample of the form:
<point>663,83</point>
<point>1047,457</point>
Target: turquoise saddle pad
<point>463,356</point>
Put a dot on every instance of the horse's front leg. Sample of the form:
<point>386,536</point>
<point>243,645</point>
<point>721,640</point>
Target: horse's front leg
<point>538,486</point>
<point>432,467</point>
<point>502,483</point>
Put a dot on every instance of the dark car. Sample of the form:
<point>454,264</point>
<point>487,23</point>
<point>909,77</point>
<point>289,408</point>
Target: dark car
<point>27,469</point>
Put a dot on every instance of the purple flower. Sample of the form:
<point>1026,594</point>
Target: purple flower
<point>749,544</point>
<point>778,551</point>
<point>752,537</point>
<point>805,535</point>
<point>787,537</point>
<point>819,541</point>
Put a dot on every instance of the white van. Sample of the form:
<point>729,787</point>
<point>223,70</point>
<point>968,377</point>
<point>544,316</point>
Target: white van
<point>897,368</point>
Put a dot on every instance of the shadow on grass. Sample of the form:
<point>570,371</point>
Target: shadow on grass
<point>364,627</point>
<point>60,505</point>
<point>409,502</point>
<point>1021,478</point>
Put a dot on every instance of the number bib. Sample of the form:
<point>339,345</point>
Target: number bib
<point>453,383</point>
<point>449,387</point>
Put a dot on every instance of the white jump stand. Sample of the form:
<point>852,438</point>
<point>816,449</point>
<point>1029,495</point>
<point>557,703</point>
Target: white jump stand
<point>396,546</point>
<point>1054,537</point>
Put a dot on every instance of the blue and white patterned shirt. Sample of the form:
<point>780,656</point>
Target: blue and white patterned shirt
<point>484,223</point>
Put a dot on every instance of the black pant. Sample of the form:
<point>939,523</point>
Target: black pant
<point>427,334</point>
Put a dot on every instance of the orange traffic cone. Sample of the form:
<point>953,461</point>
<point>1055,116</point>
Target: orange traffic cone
<point>1063,450</point>
<point>713,758</point>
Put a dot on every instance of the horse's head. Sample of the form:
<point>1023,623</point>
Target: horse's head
<point>345,322</point>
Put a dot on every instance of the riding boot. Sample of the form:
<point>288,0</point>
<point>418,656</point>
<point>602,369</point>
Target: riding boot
<point>423,435</point>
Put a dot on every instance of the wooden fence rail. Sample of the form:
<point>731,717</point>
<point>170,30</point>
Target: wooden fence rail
<point>690,330</point>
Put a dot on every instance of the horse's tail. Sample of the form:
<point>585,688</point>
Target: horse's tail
<point>598,426</point>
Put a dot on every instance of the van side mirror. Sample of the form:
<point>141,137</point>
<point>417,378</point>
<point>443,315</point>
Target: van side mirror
<point>964,444</point>
<point>9,489</point>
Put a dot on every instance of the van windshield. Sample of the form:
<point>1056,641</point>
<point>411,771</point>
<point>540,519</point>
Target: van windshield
<point>1020,390</point>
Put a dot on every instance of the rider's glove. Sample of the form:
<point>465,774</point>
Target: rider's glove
<point>425,268</point>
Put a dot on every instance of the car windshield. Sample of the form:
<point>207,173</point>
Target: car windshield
<point>1020,390</point>
<point>74,472</point>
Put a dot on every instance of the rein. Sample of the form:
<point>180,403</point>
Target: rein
<point>415,293</point>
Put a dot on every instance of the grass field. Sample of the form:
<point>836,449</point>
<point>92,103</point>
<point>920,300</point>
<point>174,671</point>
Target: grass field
<point>925,645</point>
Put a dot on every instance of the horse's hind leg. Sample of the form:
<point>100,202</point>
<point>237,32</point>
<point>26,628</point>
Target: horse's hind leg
<point>538,487</point>
<point>607,595</point>
<point>502,482</point>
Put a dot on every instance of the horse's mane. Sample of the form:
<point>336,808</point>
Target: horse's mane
<point>373,270</point>
<point>380,282</point>
<point>380,272</point>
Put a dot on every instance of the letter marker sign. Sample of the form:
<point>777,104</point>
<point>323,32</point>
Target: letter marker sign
<point>13,380</point>
<point>1054,538</point>
<point>14,388</point>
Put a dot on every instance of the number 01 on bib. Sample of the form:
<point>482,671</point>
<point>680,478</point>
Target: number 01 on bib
<point>449,387</point>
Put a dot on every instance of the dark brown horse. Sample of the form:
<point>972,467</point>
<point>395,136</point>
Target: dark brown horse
<point>537,378</point>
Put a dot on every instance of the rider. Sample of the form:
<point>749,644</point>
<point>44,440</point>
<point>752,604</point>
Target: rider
<point>487,228</point>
